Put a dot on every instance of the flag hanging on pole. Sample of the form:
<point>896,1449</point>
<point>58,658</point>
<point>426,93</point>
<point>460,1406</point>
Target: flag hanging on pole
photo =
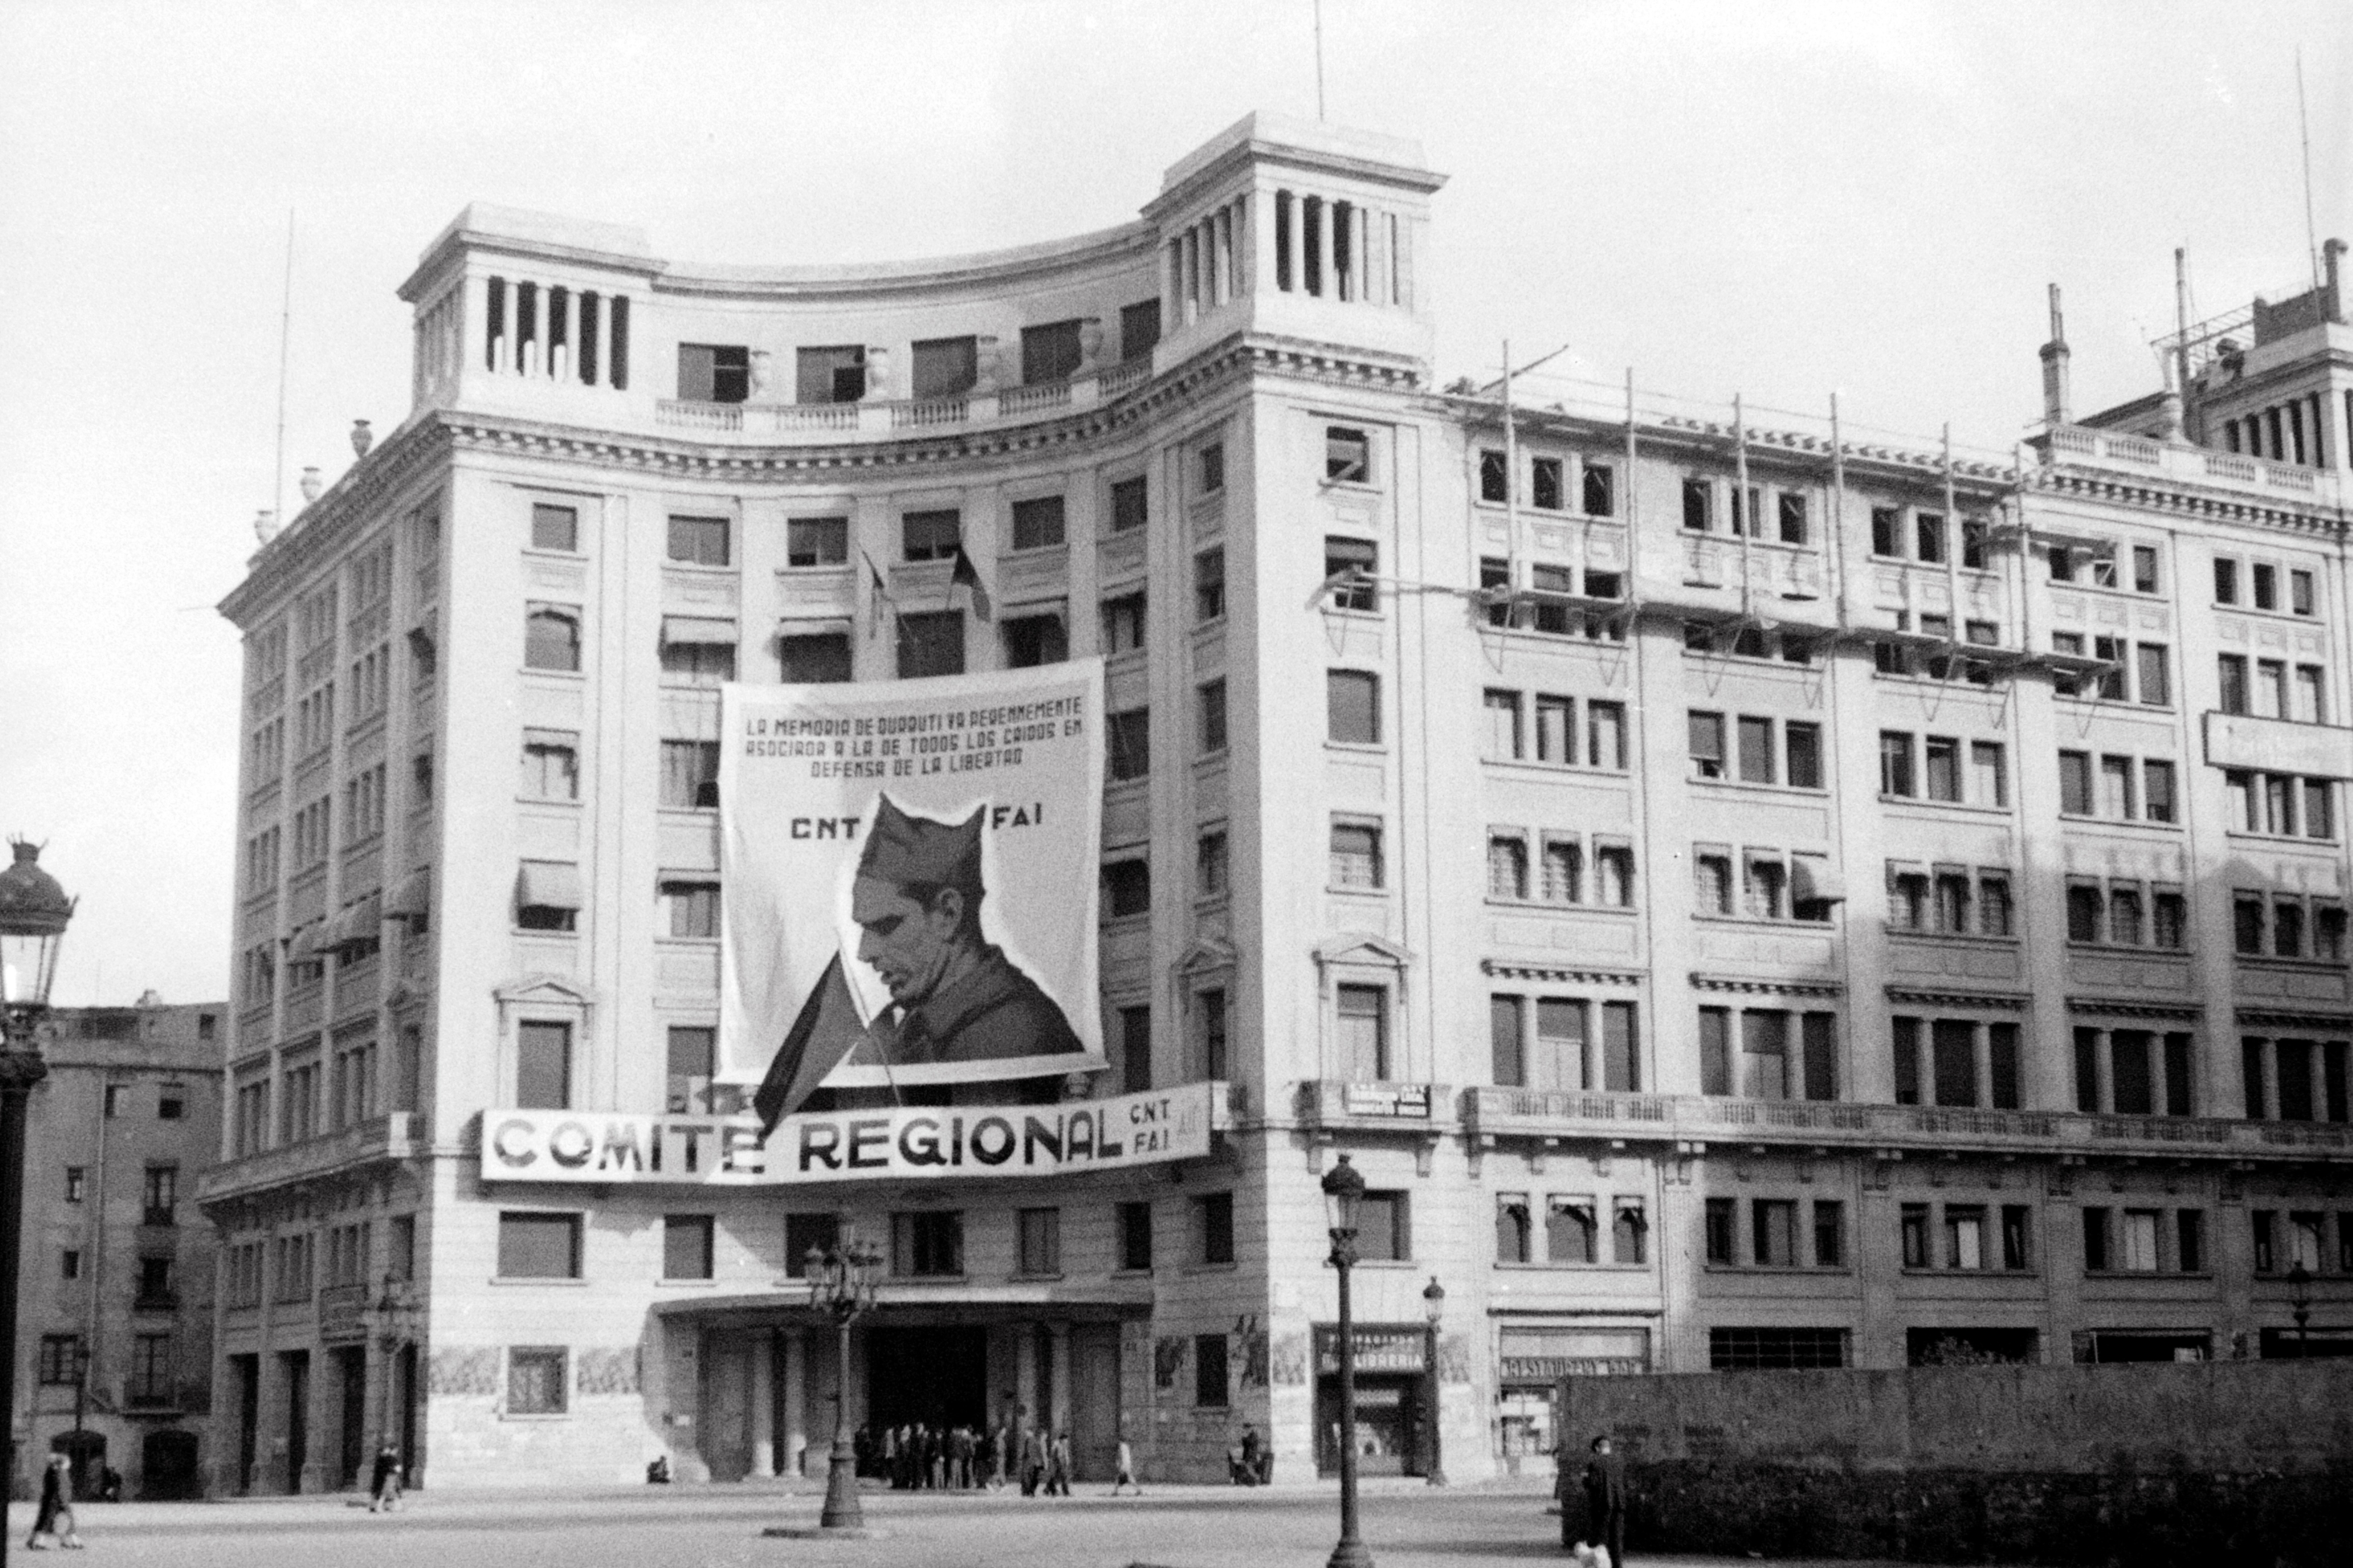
<point>966,575</point>
<point>877,596</point>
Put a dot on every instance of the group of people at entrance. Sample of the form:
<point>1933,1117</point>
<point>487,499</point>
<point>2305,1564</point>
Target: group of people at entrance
<point>919,1457</point>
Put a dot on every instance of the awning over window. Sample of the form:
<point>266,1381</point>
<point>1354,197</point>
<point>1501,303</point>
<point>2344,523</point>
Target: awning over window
<point>1814,882</point>
<point>413,898</point>
<point>549,885</point>
<point>306,945</point>
<point>681,629</point>
<point>356,925</point>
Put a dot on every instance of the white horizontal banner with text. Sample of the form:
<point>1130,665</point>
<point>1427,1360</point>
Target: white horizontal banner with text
<point>911,1143</point>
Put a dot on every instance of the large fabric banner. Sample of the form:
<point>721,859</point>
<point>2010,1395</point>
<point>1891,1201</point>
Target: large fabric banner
<point>905,1143</point>
<point>908,882</point>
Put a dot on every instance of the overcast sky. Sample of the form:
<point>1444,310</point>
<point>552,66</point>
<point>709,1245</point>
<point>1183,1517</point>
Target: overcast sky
<point>1774,199</point>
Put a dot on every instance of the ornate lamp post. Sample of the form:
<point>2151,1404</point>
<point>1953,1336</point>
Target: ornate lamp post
<point>1343,1192</point>
<point>1433,1306</point>
<point>842,1282</point>
<point>2299,1303</point>
<point>395,1331</point>
<point>32,914</point>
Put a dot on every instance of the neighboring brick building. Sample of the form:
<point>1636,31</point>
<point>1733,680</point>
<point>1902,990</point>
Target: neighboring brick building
<point>117,1264</point>
<point>1742,896</point>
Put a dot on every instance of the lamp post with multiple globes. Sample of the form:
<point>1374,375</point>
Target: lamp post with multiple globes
<point>2299,1303</point>
<point>841,1284</point>
<point>1344,1194</point>
<point>34,911</point>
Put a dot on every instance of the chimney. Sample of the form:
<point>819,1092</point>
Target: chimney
<point>2335,302</point>
<point>2169,406</point>
<point>2054,366</point>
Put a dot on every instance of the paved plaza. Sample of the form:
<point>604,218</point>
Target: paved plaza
<point>694,1527</point>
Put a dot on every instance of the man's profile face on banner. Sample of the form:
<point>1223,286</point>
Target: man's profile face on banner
<point>908,942</point>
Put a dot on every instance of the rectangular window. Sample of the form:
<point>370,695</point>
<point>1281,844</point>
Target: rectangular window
<point>1127,888</point>
<point>61,1359</point>
<point>944,367</point>
<point>1774,1232</point>
<point>1757,757</point>
<point>1051,353</point>
<point>1384,1227</point>
<point>2143,561</point>
<point>1549,487</point>
<point>713,372</point>
<point>1210,1380</point>
<point>1139,329</point>
<point>1209,469</point>
<point>1630,1232</point>
<point>1720,1223</point>
<point>1513,1229</point>
<point>2231,674</point>
<point>1570,1232</point>
<point>2299,592</point>
<point>1124,627</point>
<point>1895,763</point>
<point>1793,518</point>
<point>1129,738</point>
<point>1209,864</point>
<point>930,642</point>
<point>2155,675</point>
<point>2247,924</point>
<point>1507,866</point>
<point>1605,735</point>
<point>1359,561</point>
<point>1493,485</point>
<point>693,1055</point>
<point>551,764</point>
<point>689,776</point>
<point>934,536</point>
<point>1913,1226</point>
<point>2075,783</point>
<point>1038,523</point>
<point>1209,585</point>
<point>554,527</point>
<point>1706,745</point>
<point>1943,769</point>
<point>1038,1236</point>
<point>542,1066</point>
<point>1885,538</point>
<point>817,541</point>
<point>1355,854</point>
<point>1353,707</point>
<point>698,541</point>
<point>2226,580</point>
<point>686,1246</point>
<point>1134,1049</point>
<point>1130,505</point>
<point>1213,1228</point>
<point>1507,1042</point>
<point>2137,1253</point>
<point>807,1233</point>
<point>819,658</point>
<point>550,639</point>
<point>687,910</point>
<point>1348,456</point>
<point>2264,578</point>
<point>1929,527</point>
<point>160,1198</point>
<point>1211,711</point>
<point>1601,490</point>
<point>1136,1237</point>
<point>1210,1014</point>
<point>538,1380</point>
<point>1361,1020</point>
<point>539,1245</point>
<point>927,1244</point>
<point>1699,497</point>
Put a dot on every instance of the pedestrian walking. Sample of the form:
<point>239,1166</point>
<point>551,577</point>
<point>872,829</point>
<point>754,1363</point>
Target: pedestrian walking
<point>384,1483</point>
<point>1605,1503</point>
<point>55,1509</point>
<point>1125,1470</point>
<point>1058,1466</point>
<point>1033,1460</point>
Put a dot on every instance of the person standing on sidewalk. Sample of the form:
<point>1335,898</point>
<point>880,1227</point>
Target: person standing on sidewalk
<point>1058,1466</point>
<point>1125,1476</point>
<point>1605,1501</point>
<point>1033,1460</point>
<point>56,1504</point>
<point>384,1484</point>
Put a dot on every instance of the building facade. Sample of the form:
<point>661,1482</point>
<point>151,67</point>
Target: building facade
<point>1742,896</point>
<point>115,1356</point>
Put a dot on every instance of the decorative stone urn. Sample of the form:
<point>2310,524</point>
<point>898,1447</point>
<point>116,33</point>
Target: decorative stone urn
<point>362,437</point>
<point>311,485</point>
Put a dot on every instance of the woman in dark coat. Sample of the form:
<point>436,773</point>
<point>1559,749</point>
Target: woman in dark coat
<point>57,1503</point>
<point>1605,1500</point>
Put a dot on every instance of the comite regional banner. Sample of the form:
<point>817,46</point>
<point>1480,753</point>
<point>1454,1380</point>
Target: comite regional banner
<point>908,882</point>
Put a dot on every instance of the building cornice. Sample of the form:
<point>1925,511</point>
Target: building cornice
<point>319,530</point>
<point>2007,1002</point>
<point>2183,498</point>
<point>2132,1007</point>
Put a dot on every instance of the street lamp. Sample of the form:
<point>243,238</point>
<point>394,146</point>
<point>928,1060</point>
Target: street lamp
<point>1344,1194</point>
<point>32,914</point>
<point>842,1282</point>
<point>1433,1306</point>
<point>2299,1302</point>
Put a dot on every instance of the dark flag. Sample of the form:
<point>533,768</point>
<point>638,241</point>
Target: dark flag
<point>877,596</point>
<point>825,1031</point>
<point>966,575</point>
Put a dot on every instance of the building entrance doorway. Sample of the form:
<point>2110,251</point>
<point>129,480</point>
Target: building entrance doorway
<point>297,1365</point>
<point>247,1370</point>
<point>350,1451</point>
<point>935,1376</point>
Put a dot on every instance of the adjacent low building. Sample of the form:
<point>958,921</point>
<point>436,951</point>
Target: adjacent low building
<point>115,1294</point>
<point>1744,895</point>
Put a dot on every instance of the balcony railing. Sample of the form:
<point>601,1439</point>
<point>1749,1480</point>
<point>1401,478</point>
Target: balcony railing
<point>389,1137</point>
<point>2077,442</point>
<point>1653,1118</point>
